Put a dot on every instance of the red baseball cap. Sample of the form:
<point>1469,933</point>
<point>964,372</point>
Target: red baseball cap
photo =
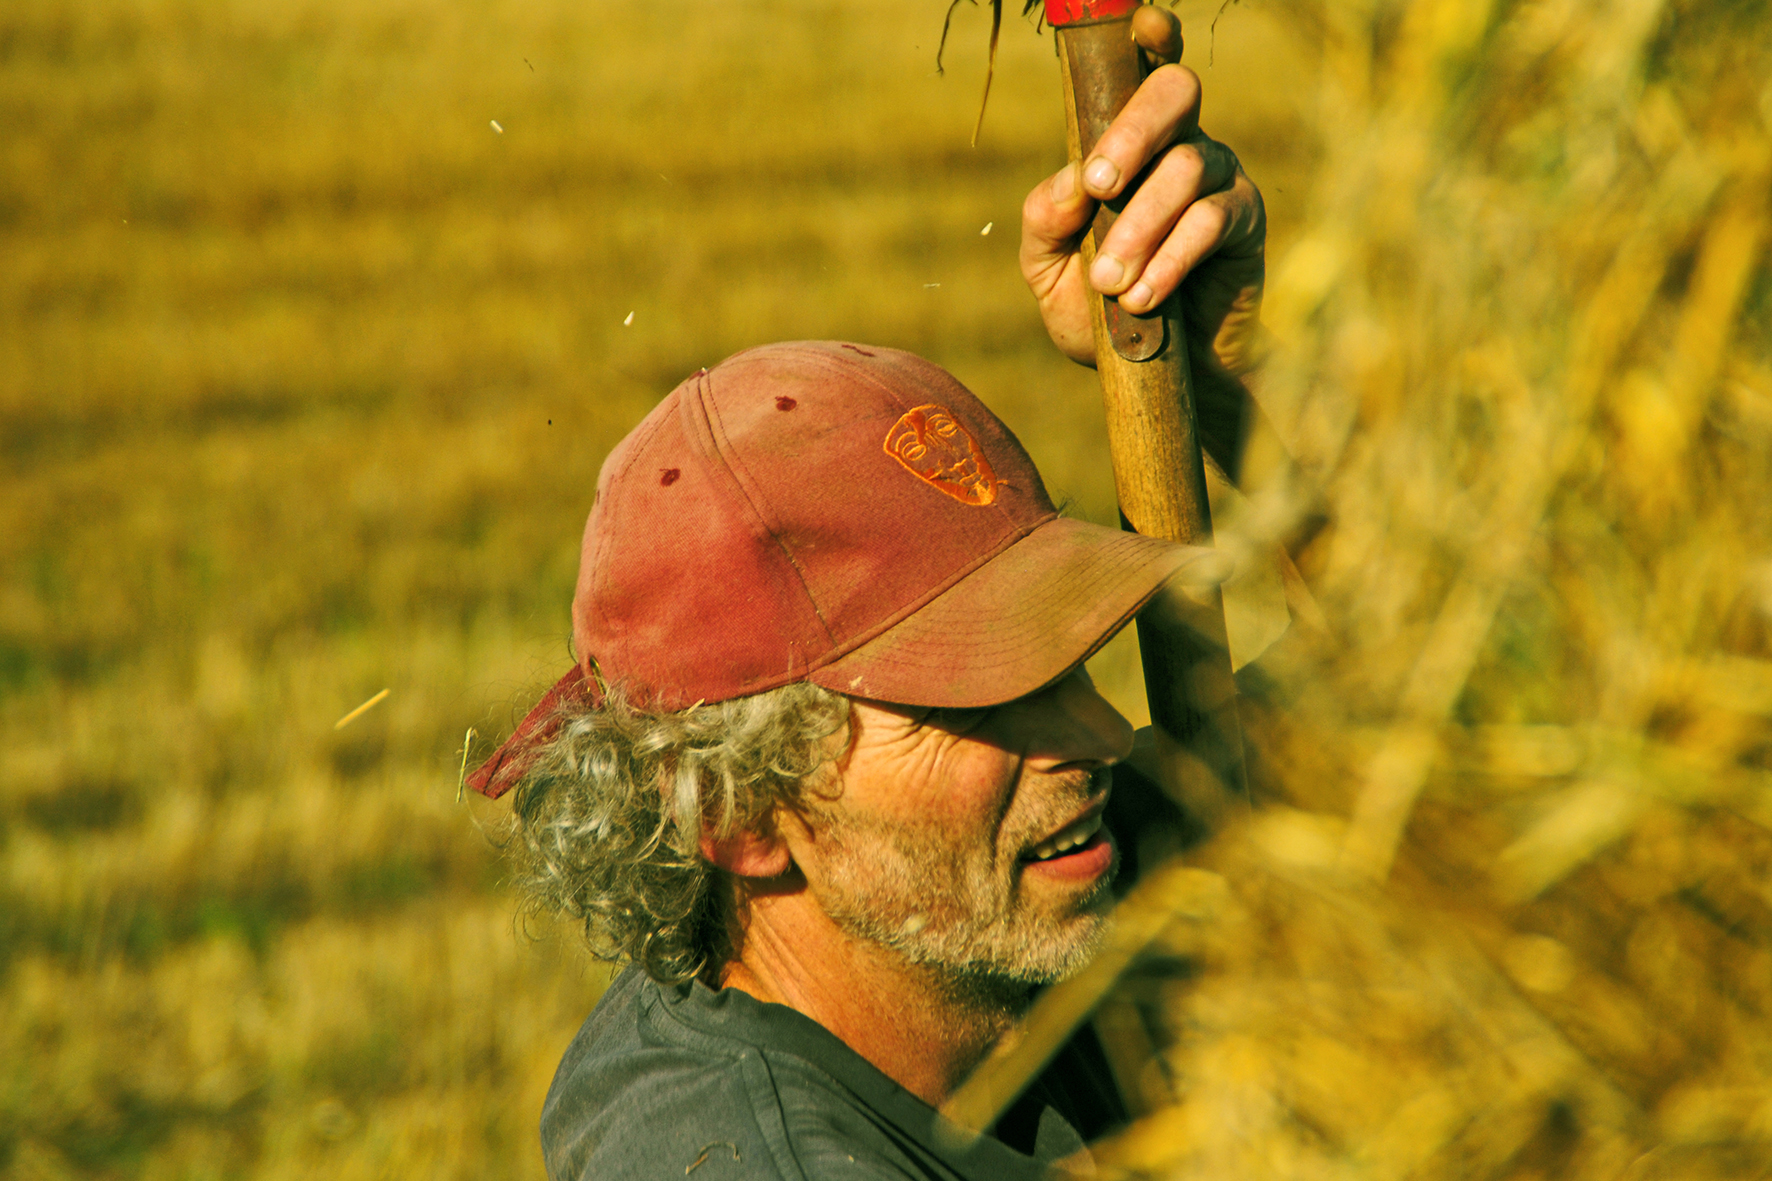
<point>842,514</point>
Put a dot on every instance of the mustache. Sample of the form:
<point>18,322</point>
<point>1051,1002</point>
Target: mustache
<point>1075,789</point>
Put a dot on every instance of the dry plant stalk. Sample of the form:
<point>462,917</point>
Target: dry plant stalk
<point>1504,911</point>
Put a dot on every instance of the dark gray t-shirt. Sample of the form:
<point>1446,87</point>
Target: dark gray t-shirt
<point>661,1078</point>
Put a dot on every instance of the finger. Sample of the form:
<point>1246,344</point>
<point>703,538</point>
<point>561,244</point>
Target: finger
<point>1053,219</point>
<point>1228,223</point>
<point>1158,33</point>
<point>1164,109</point>
<point>1185,173</point>
<point>1064,309</point>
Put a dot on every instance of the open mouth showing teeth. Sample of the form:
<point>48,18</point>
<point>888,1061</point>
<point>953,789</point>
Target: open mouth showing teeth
<point>1068,840</point>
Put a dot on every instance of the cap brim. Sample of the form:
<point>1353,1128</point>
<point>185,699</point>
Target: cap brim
<point>1020,621</point>
<point>512,760</point>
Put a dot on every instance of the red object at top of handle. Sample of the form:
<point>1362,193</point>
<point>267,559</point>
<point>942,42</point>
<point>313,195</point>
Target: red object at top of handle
<point>1080,12</point>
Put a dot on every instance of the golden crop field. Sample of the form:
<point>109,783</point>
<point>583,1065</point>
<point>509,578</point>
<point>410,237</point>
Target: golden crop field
<point>317,319</point>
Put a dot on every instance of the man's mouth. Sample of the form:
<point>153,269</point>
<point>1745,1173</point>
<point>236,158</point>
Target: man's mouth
<point>1075,836</point>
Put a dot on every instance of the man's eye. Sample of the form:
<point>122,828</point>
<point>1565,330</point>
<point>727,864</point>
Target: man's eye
<point>958,721</point>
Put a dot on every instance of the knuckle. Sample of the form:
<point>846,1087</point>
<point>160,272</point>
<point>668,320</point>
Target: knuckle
<point>1190,160</point>
<point>1225,166</point>
<point>1213,219</point>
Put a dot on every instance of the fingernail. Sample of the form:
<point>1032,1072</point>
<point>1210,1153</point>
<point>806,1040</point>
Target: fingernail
<point>1064,185</point>
<point>1107,272</point>
<point>1138,297</point>
<point>1101,175</point>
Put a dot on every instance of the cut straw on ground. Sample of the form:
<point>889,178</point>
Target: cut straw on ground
<point>360,710</point>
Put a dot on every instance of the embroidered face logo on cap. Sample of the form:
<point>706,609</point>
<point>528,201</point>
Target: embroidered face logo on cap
<point>932,445</point>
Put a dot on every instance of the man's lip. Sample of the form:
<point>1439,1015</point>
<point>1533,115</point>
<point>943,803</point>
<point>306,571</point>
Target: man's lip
<point>1087,862</point>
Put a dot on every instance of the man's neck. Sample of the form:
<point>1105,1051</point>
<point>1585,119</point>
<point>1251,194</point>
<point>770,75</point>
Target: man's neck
<point>922,1028</point>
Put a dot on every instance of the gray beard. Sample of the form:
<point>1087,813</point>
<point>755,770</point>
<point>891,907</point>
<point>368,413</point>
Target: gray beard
<point>956,918</point>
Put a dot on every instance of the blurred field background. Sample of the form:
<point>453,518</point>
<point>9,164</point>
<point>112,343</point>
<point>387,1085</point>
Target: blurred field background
<point>305,377</point>
<point>306,372</point>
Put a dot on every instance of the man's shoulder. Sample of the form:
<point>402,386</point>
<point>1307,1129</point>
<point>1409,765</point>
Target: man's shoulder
<point>643,1093</point>
<point>626,1103</point>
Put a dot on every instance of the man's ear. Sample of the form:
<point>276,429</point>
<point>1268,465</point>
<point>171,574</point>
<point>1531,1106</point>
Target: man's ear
<point>745,853</point>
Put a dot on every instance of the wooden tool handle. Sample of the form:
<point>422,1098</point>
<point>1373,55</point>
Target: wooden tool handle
<point>1161,478</point>
<point>1154,440</point>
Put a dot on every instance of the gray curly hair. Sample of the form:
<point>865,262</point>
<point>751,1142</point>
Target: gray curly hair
<point>608,818</point>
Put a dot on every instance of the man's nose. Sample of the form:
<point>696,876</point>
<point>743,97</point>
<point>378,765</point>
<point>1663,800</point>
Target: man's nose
<point>1072,724</point>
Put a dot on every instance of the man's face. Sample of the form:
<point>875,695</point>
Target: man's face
<point>971,841</point>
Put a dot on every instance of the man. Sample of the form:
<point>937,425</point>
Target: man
<point>828,773</point>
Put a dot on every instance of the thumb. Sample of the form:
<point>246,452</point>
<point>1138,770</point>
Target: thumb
<point>1053,218</point>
